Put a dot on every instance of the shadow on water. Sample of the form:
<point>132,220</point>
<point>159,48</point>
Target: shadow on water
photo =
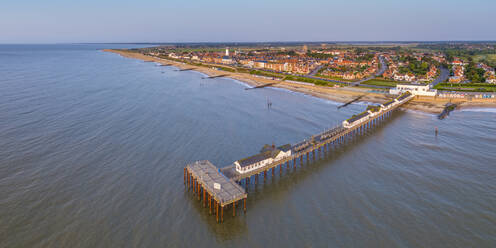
<point>231,227</point>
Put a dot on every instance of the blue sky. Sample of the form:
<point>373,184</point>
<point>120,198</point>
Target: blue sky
<point>57,21</point>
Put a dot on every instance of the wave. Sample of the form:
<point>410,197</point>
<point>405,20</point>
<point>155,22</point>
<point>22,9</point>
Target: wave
<point>419,112</point>
<point>306,95</point>
<point>486,110</point>
<point>238,82</point>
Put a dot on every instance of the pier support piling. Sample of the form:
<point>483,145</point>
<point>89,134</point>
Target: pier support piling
<point>188,182</point>
<point>199,192</point>
<point>194,185</point>
<point>216,210</point>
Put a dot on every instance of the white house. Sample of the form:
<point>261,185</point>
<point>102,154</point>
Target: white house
<point>356,119</point>
<point>415,89</point>
<point>387,105</point>
<point>267,155</point>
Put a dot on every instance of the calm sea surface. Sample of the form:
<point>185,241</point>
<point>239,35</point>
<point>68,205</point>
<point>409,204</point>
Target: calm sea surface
<point>93,145</point>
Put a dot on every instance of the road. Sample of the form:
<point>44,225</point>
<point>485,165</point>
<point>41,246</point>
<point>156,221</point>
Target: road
<point>443,76</point>
<point>314,72</point>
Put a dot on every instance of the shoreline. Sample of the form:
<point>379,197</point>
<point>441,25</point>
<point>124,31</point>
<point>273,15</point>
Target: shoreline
<point>430,105</point>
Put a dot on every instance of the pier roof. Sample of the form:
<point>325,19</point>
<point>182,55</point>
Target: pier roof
<point>207,174</point>
<point>258,157</point>
<point>357,117</point>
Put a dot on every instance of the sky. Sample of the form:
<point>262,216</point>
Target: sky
<point>69,21</point>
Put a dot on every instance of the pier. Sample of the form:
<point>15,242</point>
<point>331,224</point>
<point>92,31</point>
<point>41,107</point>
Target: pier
<point>217,76</point>
<point>223,185</point>
<point>447,110</point>
<point>186,69</point>
<point>260,86</point>
<point>350,102</point>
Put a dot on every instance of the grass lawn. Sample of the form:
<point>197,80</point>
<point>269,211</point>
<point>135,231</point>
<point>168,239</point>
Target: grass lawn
<point>482,87</point>
<point>266,74</point>
<point>335,78</point>
<point>310,80</point>
<point>381,82</point>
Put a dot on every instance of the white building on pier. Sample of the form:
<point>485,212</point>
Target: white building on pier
<point>415,89</point>
<point>267,155</point>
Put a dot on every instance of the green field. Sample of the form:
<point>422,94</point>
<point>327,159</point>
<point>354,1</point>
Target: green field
<point>310,80</point>
<point>381,82</point>
<point>265,73</point>
<point>225,68</point>
<point>482,87</point>
<point>335,78</point>
<point>491,58</point>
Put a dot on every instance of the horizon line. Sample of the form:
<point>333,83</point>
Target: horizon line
<point>250,42</point>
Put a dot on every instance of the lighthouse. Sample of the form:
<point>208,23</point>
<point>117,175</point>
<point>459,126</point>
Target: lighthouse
<point>227,51</point>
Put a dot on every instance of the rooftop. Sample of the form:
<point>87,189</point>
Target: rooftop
<point>258,157</point>
<point>358,117</point>
<point>207,174</point>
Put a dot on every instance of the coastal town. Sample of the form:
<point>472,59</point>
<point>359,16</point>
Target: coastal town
<point>437,74</point>
<point>332,65</point>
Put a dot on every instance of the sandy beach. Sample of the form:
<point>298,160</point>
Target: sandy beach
<point>342,94</point>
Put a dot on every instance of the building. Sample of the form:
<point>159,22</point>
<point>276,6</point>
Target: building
<point>491,79</point>
<point>455,79</point>
<point>305,49</point>
<point>458,71</point>
<point>356,119</point>
<point>227,60</point>
<point>415,89</point>
<point>267,155</point>
<point>431,73</point>
<point>259,64</point>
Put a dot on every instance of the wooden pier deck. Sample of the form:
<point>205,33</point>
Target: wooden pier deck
<point>209,184</point>
<point>202,174</point>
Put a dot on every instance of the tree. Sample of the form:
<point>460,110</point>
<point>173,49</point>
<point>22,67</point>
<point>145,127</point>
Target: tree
<point>474,74</point>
